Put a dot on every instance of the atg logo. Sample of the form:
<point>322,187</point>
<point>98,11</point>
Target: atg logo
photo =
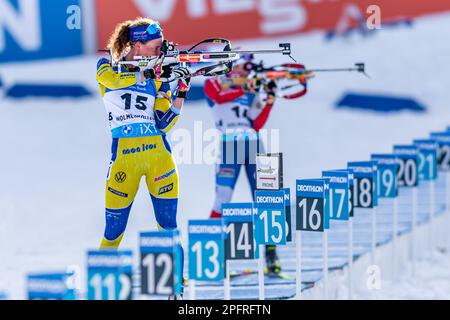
<point>33,29</point>
<point>165,189</point>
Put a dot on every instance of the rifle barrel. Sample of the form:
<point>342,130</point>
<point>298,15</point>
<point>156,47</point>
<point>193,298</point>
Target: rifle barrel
<point>334,70</point>
<point>244,51</point>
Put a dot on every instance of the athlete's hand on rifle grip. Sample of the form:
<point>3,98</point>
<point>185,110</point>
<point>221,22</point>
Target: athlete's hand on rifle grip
<point>181,73</point>
<point>252,85</point>
<point>157,71</point>
<point>171,74</point>
<point>166,73</point>
<point>270,87</point>
<point>271,97</point>
<point>150,73</point>
<point>183,87</point>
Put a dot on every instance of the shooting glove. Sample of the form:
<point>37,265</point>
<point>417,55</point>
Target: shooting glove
<point>162,73</point>
<point>270,87</point>
<point>252,86</point>
<point>183,87</point>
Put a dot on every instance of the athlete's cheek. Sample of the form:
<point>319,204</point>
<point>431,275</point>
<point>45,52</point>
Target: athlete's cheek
<point>152,51</point>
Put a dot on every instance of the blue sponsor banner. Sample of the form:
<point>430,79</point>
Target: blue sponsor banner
<point>310,188</point>
<point>206,249</point>
<point>109,275</point>
<point>237,212</point>
<point>428,152</point>
<point>50,286</point>
<point>380,103</point>
<point>40,29</point>
<point>387,175</point>
<point>362,169</point>
<point>406,151</point>
<point>441,137</point>
<point>56,90</point>
<point>270,217</point>
<point>339,189</point>
<point>159,241</point>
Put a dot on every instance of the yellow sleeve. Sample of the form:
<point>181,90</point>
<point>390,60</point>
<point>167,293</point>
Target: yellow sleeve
<point>108,78</point>
<point>166,117</point>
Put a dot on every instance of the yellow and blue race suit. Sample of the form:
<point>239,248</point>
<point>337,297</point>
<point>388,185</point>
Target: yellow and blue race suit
<point>140,114</point>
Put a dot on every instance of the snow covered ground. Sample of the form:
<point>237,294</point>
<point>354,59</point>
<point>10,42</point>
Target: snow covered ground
<point>428,278</point>
<point>55,153</point>
<point>431,281</point>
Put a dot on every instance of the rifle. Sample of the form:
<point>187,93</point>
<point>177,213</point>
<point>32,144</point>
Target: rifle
<point>291,78</point>
<point>220,61</point>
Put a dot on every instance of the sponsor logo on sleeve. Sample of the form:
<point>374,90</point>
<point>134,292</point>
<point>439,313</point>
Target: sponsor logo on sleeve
<point>165,189</point>
<point>165,175</point>
<point>120,177</point>
<point>118,193</point>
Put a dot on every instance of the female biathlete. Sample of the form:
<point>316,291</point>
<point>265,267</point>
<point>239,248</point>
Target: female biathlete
<point>239,114</point>
<point>141,111</point>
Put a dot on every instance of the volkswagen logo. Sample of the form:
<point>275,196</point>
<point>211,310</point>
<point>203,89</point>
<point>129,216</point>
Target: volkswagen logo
<point>120,177</point>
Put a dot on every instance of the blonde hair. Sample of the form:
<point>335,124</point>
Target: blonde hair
<point>120,41</point>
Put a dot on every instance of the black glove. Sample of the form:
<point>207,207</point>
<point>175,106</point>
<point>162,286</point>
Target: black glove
<point>165,73</point>
<point>150,73</point>
<point>183,87</point>
<point>271,87</point>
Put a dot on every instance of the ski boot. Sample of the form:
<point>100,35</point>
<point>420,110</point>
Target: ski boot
<point>273,265</point>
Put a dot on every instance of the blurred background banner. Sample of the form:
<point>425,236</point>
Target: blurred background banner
<point>38,29</point>
<point>189,21</point>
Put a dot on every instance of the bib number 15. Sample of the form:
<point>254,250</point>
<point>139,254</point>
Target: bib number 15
<point>138,104</point>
